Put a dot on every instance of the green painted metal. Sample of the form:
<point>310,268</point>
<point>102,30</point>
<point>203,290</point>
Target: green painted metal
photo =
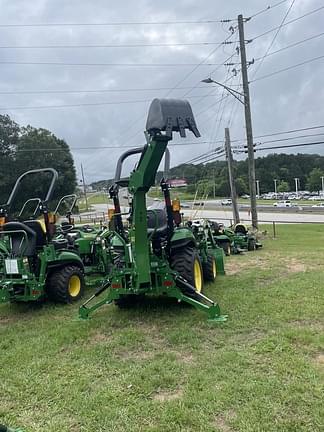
<point>24,270</point>
<point>26,285</point>
<point>141,262</point>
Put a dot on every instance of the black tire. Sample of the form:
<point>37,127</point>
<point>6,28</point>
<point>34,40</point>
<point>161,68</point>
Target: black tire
<point>209,269</point>
<point>226,248</point>
<point>66,285</point>
<point>187,263</point>
<point>251,245</point>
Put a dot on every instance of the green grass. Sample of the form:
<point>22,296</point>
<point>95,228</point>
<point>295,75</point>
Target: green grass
<point>163,367</point>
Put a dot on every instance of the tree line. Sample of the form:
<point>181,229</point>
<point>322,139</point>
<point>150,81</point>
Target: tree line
<point>213,177</point>
<point>26,148</point>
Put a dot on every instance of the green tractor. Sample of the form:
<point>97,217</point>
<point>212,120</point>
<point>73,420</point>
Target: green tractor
<point>156,255</point>
<point>34,264</point>
<point>234,240</point>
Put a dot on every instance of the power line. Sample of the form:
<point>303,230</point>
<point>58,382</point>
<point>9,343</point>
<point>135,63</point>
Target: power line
<point>111,23</point>
<point>290,145</point>
<point>286,23</point>
<point>287,68</point>
<point>109,64</point>
<point>291,138</point>
<point>102,147</point>
<point>284,139</point>
<point>274,37</point>
<point>267,9</point>
<point>181,81</point>
<point>290,46</point>
<point>138,45</point>
<point>290,131</point>
<point>119,90</point>
<point>85,104</point>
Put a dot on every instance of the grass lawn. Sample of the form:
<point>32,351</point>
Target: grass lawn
<point>163,367</point>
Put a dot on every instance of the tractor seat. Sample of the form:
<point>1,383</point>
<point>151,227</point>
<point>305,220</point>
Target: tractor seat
<point>38,228</point>
<point>18,240</point>
<point>157,222</point>
<point>240,229</point>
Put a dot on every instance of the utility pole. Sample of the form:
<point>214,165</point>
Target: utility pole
<point>84,188</point>
<point>248,124</point>
<point>296,184</point>
<point>229,157</point>
<point>322,178</point>
<point>275,185</point>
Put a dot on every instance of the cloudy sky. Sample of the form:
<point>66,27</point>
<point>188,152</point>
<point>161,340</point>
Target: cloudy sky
<point>104,104</point>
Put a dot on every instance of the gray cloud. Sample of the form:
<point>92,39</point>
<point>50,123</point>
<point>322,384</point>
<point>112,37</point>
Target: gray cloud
<point>285,101</point>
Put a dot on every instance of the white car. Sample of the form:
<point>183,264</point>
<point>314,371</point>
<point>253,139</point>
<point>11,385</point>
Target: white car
<point>226,202</point>
<point>283,203</point>
<point>319,205</point>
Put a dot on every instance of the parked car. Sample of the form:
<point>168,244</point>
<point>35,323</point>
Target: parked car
<point>283,203</point>
<point>319,205</point>
<point>185,205</point>
<point>226,202</point>
<point>315,198</point>
<point>245,196</point>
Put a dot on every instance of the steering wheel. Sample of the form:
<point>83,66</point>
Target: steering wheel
<point>67,228</point>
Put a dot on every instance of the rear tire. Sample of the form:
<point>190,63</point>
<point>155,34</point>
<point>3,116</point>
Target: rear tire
<point>210,269</point>
<point>66,285</point>
<point>187,263</point>
<point>226,248</point>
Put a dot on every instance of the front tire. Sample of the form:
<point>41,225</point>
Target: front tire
<point>66,285</point>
<point>210,269</point>
<point>251,245</point>
<point>187,263</point>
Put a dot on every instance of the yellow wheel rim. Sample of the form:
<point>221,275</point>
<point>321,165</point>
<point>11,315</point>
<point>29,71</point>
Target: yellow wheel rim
<point>214,269</point>
<point>197,276</point>
<point>74,286</point>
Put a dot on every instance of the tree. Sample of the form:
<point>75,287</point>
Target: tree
<point>314,182</point>
<point>40,148</point>
<point>9,135</point>
<point>26,148</point>
<point>283,186</point>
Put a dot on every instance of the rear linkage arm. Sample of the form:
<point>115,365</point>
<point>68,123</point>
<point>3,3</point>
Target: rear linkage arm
<point>178,291</point>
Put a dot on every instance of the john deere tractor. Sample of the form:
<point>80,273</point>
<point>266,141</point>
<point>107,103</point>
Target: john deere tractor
<point>235,240</point>
<point>33,264</point>
<point>156,255</point>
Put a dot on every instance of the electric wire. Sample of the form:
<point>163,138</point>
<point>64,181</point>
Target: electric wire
<point>267,9</point>
<point>287,68</point>
<point>43,63</point>
<point>274,38</point>
<point>253,38</point>
<point>112,23</point>
<point>291,46</point>
<point>137,45</point>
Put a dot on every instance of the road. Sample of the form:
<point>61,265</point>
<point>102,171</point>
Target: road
<point>225,215</point>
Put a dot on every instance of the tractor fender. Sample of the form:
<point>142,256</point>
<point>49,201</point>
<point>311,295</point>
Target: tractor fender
<point>222,238</point>
<point>182,237</point>
<point>66,257</point>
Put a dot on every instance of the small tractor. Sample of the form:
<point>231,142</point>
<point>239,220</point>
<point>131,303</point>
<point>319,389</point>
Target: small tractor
<point>33,264</point>
<point>235,240</point>
<point>156,255</point>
